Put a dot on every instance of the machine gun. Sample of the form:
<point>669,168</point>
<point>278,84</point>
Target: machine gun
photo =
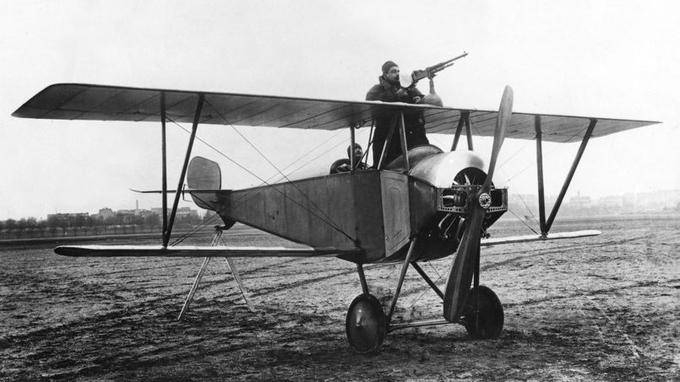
<point>430,72</point>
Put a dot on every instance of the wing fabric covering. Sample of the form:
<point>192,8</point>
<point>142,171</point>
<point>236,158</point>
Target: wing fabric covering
<point>202,251</point>
<point>193,251</point>
<point>530,238</point>
<point>115,103</point>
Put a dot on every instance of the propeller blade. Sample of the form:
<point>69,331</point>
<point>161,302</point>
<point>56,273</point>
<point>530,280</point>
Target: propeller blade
<point>462,270</point>
<point>460,277</point>
<point>504,115</point>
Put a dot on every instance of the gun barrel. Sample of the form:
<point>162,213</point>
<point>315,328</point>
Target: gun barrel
<point>444,64</point>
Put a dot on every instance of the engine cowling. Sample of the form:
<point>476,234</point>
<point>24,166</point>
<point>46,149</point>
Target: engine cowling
<point>440,169</point>
<point>457,176</point>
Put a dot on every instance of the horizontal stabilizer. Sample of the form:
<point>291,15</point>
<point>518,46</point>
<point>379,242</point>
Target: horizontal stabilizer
<point>187,191</point>
<point>195,251</point>
<point>529,238</point>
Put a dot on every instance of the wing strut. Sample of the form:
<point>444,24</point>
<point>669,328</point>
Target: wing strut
<point>194,127</point>
<point>352,134</point>
<point>398,127</point>
<point>386,144</point>
<point>539,172</point>
<point>464,119</point>
<point>164,181</point>
<point>468,133</point>
<point>404,145</point>
<point>545,225</point>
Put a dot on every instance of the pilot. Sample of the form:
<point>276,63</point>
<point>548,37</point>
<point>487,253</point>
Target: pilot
<point>344,164</point>
<point>390,90</point>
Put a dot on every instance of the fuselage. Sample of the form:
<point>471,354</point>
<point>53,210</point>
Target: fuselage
<point>374,212</point>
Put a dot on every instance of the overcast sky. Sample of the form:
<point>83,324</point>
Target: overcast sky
<point>618,59</point>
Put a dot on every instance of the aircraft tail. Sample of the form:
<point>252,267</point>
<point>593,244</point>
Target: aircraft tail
<point>204,174</point>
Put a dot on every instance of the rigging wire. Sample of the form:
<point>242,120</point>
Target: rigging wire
<point>527,208</point>
<point>513,155</point>
<point>316,157</point>
<point>264,181</point>
<point>519,172</point>
<point>211,220</point>
<point>306,154</point>
<point>523,222</point>
<point>328,220</point>
<point>203,224</point>
<point>217,150</point>
<point>439,277</point>
<point>325,219</point>
<point>505,162</point>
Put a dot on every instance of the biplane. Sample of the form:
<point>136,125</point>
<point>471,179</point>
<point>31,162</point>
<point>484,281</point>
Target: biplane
<point>426,204</point>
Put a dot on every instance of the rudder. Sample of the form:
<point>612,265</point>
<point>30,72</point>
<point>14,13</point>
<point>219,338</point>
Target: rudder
<point>204,174</point>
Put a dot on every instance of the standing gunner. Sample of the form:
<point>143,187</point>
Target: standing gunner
<point>390,90</point>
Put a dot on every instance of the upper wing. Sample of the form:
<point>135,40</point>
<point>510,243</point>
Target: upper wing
<point>194,251</point>
<point>115,103</point>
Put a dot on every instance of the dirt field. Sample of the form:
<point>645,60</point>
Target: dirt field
<point>602,308</point>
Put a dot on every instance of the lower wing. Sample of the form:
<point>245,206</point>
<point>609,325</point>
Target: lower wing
<point>195,251</point>
<point>227,251</point>
<point>529,238</point>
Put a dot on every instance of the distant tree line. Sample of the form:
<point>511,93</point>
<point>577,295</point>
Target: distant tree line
<point>85,224</point>
<point>83,220</point>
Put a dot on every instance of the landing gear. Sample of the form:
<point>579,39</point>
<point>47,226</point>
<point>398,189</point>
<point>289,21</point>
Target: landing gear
<point>366,324</point>
<point>484,321</point>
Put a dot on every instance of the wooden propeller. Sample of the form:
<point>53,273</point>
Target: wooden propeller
<point>462,269</point>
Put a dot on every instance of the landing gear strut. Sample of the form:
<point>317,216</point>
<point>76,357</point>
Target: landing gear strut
<point>367,324</point>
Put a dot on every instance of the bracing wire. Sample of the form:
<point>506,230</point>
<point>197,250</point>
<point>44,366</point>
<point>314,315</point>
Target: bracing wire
<point>527,207</point>
<point>305,155</point>
<point>513,155</point>
<point>506,161</point>
<point>218,151</point>
<point>519,172</point>
<point>211,220</point>
<point>439,277</point>
<point>316,157</point>
<point>523,222</point>
<point>327,219</point>
<point>324,219</point>
<point>262,180</point>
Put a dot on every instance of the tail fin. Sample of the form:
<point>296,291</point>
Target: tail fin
<point>204,174</point>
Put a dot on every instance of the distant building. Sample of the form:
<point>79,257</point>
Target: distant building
<point>612,201</point>
<point>579,202</point>
<point>105,213</point>
<point>186,212</point>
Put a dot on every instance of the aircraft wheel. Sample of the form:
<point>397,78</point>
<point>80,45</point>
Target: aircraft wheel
<point>489,324</point>
<point>366,324</point>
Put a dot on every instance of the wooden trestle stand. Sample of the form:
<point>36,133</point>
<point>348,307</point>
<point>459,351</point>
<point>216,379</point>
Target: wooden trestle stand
<point>216,240</point>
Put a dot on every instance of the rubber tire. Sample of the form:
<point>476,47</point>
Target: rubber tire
<point>365,324</point>
<point>490,314</point>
